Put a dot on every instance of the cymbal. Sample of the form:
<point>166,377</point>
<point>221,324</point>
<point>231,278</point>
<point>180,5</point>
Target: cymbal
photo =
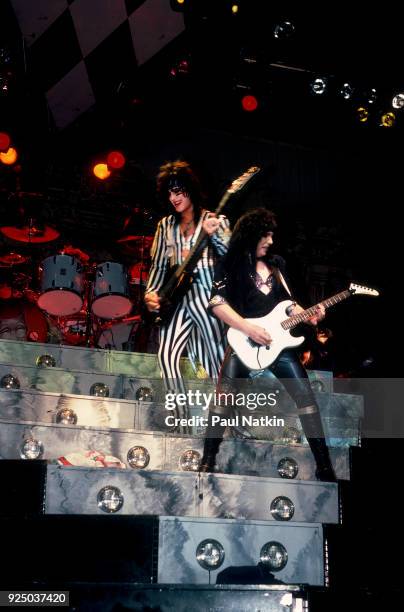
<point>13,259</point>
<point>30,234</point>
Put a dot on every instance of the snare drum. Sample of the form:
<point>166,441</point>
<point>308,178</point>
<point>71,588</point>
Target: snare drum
<point>111,291</point>
<point>62,285</point>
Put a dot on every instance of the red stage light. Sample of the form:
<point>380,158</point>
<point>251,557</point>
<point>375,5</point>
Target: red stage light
<point>116,159</point>
<point>249,103</point>
<point>4,141</point>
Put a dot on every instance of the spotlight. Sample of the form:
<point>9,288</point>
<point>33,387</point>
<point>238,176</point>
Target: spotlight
<point>46,361</point>
<point>210,554</point>
<point>116,160</point>
<point>398,101</point>
<point>282,508</point>
<point>66,416</point>
<point>178,5</point>
<point>319,85</point>
<point>99,389</point>
<point>101,171</point>
<point>9,157</point>
<point>249,103</point>
<point>284,30</point>
<point>31,449</point>
<point>110,499</point>
<point>346,91</point>
<point>291,435</point>
<point>371,96</point>
<point>362,114</point>
<point>5,141</point>
<point>287,468</point>
<point>10,382</point>
<point>274,555</point>
<point>144,394</point>
<point>190,460</point>
<point>138,457</point>
<point>387,119</point>
<point>235,9</point>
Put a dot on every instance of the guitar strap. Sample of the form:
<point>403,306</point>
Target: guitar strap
<point>281,278</point>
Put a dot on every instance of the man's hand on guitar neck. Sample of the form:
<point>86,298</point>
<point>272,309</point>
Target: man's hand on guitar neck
<point>152,301</point>
<point>211,224</point>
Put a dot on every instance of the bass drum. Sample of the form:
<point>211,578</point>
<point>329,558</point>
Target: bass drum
<point>119,335</point>
<point>111,291</point>
<point>62,285</point>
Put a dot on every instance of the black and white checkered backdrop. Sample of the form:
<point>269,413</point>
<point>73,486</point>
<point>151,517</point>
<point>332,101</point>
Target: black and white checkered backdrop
<point>81,50</point>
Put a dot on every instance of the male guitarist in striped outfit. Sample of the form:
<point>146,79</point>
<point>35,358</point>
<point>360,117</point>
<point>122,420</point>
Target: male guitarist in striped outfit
<point>192,323</point>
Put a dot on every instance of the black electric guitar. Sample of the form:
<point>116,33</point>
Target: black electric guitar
<point>180,277</point>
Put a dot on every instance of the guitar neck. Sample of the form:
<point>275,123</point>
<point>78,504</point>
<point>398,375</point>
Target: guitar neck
<point>304,316</point>
<point>194,255</point>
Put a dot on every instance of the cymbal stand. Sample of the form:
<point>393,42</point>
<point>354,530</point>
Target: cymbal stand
<point>90,278</point>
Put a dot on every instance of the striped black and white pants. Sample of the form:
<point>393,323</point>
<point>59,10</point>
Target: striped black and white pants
<point>209,344</point>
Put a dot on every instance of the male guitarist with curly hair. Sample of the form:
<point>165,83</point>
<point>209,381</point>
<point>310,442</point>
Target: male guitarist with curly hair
<point>190,322</point>
<point>250,283</point>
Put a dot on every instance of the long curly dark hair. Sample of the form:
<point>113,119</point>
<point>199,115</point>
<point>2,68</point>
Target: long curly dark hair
<point>240,259</point>
<point>180,174</point>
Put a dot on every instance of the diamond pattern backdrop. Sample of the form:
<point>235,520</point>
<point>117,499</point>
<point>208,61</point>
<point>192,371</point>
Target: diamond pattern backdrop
<point>80,51</point>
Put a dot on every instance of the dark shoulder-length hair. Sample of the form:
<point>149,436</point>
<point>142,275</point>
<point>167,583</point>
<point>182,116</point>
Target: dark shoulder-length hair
<point>179,174</point>
<point>240,260</point>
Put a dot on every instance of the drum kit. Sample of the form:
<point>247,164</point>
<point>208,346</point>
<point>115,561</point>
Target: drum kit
<point>90,303</point>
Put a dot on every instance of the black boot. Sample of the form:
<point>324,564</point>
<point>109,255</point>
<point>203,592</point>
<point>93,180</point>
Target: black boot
<point>213,439</point>
<point>314,432</point>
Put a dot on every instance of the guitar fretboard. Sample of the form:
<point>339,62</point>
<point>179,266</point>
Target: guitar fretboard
<point>304,316</point>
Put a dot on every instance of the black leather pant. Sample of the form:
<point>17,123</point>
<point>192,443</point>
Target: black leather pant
<point>286,367</point>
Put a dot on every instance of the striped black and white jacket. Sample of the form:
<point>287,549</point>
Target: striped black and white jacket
<point>168,244</point>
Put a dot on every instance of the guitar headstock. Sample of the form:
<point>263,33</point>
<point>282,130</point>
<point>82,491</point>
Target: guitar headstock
<point>361,290</point>
<point>242,180</point>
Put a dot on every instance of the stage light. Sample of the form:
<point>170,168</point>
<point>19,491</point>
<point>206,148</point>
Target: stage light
<point>291,435</point>
<point>363,114</point>
<point>287,468</point>
<point>189,461</point>
<point>371,96</point>
<point>101,171</point>
<point>274,555</point>
<point>346,91</point>
<point>138,457</point>
<point>110,499</point>
<point>282,508</point>
<point>46,361</point>
<point>249,103</point>
<point>398,101</point>
<point>178,5</point>
<point>388,120</point>
<point>9,157</point>
<point>210,554</point>
<point>116,160</point>
<point>66,416</point>
<point>5,141</point>
<point>284,30</point>
<point>144,394</point>
<point>319,85</point>
<point>99,389</point>
<point>31,449</point>
<point>234,9</point>
<point>9,382</point>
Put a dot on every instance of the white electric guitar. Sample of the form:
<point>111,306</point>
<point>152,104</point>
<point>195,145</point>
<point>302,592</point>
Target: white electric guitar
<point>256,356</point>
